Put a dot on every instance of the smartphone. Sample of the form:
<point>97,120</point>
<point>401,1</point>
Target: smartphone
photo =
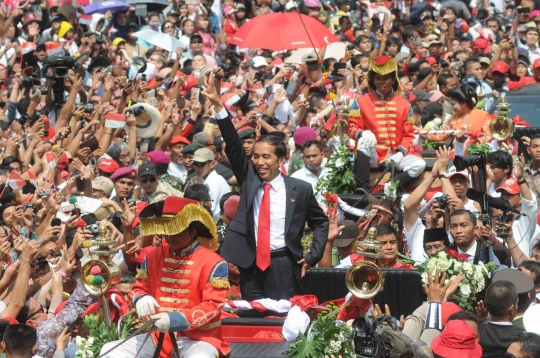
<point>338,66</point>
<point>301,97</point>
<point>56,222</point>
<point>524,10</point>
<point>291,86</point>
<point>195,92</point>
<point>91,143</point>
<point>45,133</point>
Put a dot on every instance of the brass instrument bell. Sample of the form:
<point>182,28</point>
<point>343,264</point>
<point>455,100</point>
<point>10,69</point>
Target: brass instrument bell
<point>339,129</point>
<point>502,127</point>
<point>365,279</point>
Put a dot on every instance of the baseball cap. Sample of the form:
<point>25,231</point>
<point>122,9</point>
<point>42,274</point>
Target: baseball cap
<point>400,56</point>
<point>536,63</point>
<point>457,340</point>
<point>470,80</point>
<point>104,184</point>
<point>348,234</point>
<point>108,165</point>
<point>500,66</point>
<point>482,44</point>
<point>148,168</point>
<point>510,186</point>
<point>421,95</point>
<point>452,171</point>
<point>259,61</point>
<point>309,57</point>
<point>203,155</point>
<point>117,41</point>
<point>177,139</point>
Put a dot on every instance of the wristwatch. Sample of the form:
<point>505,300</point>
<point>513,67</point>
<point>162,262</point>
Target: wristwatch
<point>522,181</point>
<point>443,175</point>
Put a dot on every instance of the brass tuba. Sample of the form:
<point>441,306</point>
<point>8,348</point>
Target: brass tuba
<point>502,127</point>
<point>365,279</point>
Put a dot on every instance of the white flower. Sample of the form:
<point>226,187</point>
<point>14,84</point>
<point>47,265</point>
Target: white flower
<point>78,341</point>
<point>444,265</point>
<point>457,266</point>
<point>465,290</point>
<point>90,341</point>
<point>340,162</point>
<point>442,255</point>
<point>432,264</point>
<point>424,277</point>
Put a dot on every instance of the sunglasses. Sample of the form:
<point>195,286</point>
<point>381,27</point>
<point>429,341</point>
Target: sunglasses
<point>145,180</point>
<point>168,27</point>
<point>40,310</point>
<point>199,164</point>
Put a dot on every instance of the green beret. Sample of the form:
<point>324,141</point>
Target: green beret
<point>190,149</point>
<point>247,134</point>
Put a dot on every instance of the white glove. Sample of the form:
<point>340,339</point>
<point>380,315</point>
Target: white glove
<point>368,139</point>
<point>163,323</point>
<point>146,306</point>
<point>396,158</point>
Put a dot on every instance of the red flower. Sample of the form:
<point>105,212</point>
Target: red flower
<point>399,264</point>
<point>462,257</point>
<point>453,254</point>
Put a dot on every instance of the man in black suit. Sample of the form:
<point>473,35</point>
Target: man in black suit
<point>501,303</point>
<point>264,237</point>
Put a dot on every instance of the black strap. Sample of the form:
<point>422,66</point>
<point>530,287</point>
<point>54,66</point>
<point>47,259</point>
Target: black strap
<point>477,254</point>
<point>159,345</point>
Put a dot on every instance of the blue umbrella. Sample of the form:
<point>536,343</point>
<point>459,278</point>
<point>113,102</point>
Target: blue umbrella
<point>104,6</point>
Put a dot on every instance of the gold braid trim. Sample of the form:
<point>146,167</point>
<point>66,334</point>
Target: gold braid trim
<point>220,282</point>
<point>389,67</point>
<point>354,113</point>
<point>142,274</point>
<point>176,224</point>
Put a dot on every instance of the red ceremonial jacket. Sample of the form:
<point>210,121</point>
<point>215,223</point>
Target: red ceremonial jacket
<point>194,284</point>
<point>387,119</point>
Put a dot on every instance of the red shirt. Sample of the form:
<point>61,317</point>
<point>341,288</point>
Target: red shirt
<point>523,81</point>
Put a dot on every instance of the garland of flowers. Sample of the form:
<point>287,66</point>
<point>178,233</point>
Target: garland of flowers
<point>327,336</point>
<point>340,178</point>
<point>100,334</point>
<point>454,263</point>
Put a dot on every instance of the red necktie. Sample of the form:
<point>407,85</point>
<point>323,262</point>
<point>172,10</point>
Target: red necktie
<point>263,230</point>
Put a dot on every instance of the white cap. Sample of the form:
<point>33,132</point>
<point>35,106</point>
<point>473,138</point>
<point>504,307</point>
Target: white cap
<point>259,61</point>
<point>290,5</point>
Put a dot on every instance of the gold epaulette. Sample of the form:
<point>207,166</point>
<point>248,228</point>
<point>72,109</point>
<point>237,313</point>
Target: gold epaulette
<point>220,282</point>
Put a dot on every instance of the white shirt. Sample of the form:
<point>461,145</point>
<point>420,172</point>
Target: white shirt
<point>278,198</point>
<point>415,241</point>
<point>307,175</point>
<point>178,170</point>
<point>217,186</point>
<point>525,227</point>
<point>471,252</point>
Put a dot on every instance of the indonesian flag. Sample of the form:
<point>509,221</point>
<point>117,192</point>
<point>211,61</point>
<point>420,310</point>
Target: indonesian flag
<point>115,120</point>
<point>53,48</point>
<point>15,181</point>
<point>226,86</point>
<point>85,19</point>
<point>33,178</point>
<point>28,47</point>
<point>51,159</point>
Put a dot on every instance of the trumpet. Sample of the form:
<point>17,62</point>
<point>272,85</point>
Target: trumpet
<point>502,127</point>
<point>365,279</point>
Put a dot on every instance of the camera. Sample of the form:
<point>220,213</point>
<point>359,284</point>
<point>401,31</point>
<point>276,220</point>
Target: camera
<point>60,65</point>
<point>93,228</point>
<point>364,342</point>
<point>27,82</point>
<point>504,218</point>
<point>442,201</point>
<point>137,111</point>
<point>464,162</point>
<point>44,90</point>
<point>88,108</point>
<point>444,64</point>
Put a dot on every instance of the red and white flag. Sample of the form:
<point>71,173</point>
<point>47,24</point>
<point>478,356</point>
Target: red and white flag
<point>33,178</point>
<point>28,47</point>
<point>115,120</point>
<point>85,19</point>
<point>51,159</point>
<point>15,181</point>
<point>53,48</point>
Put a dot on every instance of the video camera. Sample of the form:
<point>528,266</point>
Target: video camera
<point>378,337</point>
<point>137,111</point>
<point>60,65</point>
<point>464,162</point>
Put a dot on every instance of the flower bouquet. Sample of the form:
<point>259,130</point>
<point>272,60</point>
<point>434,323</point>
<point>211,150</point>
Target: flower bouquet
<point>325,336</point>
<point>340,178</point>
<point>454,263</point>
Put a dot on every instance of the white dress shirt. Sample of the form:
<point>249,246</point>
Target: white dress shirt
<point>278,201</point>
<point>307,175</point>
<point>471,252</point>
<point>217,187</point>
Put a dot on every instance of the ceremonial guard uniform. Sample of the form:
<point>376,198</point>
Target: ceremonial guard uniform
<point>382,124</point>
<point>187,289</point>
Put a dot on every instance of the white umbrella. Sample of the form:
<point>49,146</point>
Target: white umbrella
<point>159,39</point>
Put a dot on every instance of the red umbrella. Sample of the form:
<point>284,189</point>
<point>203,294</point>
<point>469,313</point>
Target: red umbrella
<point>283,31</point>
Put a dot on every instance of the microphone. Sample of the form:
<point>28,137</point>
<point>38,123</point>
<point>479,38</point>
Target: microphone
<point>497,203</point>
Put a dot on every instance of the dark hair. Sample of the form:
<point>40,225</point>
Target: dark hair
<point>535,136</point>
<point>7,197</point>
<point>393,41</point>
<point>277,143</point>
<point>408,32</point>
<point>464,94</point>
<point>385,229</point>
<point>443,79</point>
<point>534,267</point>
<point>8,160</point>
<point>468,63</point>
<point>501,159</point>
<point>360,38</point>
<point>342,19</point>
<point>316,143</point>
<point>536,246</point>
<point>465,212</point>
<point>396,24</point>
<point>500,296</point>
<point>20,339</point>
<point>464,316</point>
<point>198,192</point>
<point>492,19</point>
<point>530,344</point>
<point>125,278</point>
<point>278,134</point>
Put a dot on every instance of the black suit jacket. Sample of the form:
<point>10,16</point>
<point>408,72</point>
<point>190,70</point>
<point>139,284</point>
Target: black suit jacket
<point>239,247</point>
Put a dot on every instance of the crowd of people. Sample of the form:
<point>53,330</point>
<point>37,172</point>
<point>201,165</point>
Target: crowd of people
<point>205,164</point>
